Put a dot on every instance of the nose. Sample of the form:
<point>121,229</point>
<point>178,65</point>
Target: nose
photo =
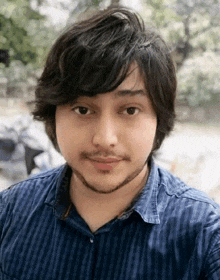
<point>105,133</point>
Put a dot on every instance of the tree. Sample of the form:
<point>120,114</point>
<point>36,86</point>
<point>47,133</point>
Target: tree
<point>26,37</point>
<point>191,28</point>
<point>15,18</point>
<point>25,32</point>
<point>199,79</point>
<point>186,23</point>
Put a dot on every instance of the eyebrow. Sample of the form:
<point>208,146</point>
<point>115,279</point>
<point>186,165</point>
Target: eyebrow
<point>130,92</point>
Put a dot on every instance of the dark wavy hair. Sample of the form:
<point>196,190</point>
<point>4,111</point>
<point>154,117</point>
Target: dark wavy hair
<point>93,57</point>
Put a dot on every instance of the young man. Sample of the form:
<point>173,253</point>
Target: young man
<point>106,96</point>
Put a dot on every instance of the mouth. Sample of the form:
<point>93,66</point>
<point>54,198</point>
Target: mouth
<point>104,164</point>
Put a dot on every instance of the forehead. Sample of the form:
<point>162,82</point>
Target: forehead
<point>134,80</point>
<point>133,85</point>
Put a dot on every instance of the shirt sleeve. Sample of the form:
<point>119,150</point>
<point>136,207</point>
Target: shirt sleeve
<point>212,270</point>
<point>212,262</point>
<point>3,210</point>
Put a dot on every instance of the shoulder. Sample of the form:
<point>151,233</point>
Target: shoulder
<point>176,188</point>
<point>194,219</point>
<point>36,188</point>
<point>190,208</point>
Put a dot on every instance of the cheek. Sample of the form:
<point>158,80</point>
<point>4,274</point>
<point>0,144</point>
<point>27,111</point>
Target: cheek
<point>68,138</point>
<point>142,138</point>
<point>71,140</point>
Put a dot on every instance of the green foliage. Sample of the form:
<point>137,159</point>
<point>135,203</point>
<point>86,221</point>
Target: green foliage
<point>16,18</point>
<point>191,28</point>
<point>160,14</point>
<point>24,33</point>
<point>199,79</point>
<point>183,21</point>
<point>17,41</point>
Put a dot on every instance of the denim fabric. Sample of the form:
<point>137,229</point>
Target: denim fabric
<point>172,232</point>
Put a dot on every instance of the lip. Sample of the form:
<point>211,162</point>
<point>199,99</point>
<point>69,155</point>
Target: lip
<point>105,160</point>
<point>104,164</point>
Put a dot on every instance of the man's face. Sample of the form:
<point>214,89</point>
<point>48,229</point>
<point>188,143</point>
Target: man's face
<point>107,139</point>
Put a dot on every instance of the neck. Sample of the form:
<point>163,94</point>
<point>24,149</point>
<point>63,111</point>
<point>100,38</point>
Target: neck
<point>97,208</point>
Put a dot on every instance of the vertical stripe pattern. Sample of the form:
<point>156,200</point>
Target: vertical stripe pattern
<point>172,232</point>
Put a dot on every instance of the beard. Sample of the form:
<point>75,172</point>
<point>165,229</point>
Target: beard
<point>97,189</point>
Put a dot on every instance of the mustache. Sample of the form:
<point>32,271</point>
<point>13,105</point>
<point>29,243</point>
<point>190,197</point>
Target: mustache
<point>103,154</point>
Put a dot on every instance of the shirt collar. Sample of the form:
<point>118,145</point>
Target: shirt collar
<point>58,196</point>
<point>146,204</point>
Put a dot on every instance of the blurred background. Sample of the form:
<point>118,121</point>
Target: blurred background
<point>192,30</point>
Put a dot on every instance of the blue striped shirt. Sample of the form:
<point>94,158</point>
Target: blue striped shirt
<point>171,232</point>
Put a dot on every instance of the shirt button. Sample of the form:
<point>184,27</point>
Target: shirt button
<point>91,240</point>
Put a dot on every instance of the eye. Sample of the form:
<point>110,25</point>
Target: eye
<point>131,111</point>
<point>80,110</point>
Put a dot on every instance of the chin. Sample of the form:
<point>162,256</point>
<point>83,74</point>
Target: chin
<point>105,185</point>
<point>103,190</point>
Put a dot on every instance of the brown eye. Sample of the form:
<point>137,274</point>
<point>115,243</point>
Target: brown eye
<point>82,110</point>
<point>131,110</point>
